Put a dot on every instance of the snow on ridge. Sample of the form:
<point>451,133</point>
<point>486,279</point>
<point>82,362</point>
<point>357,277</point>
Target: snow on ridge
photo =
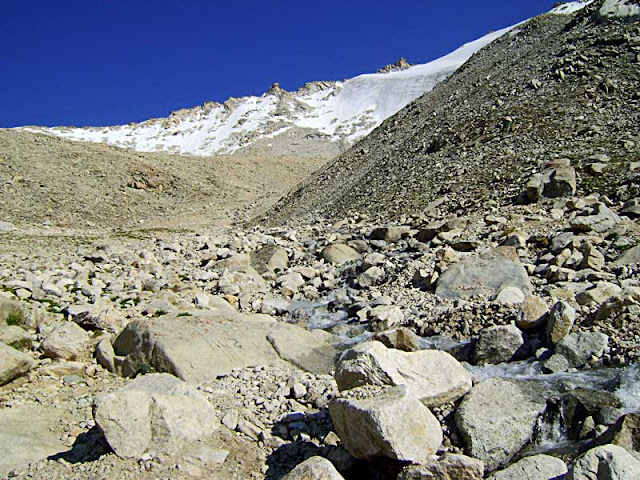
<point>571,7</point>
<point>344,111</point>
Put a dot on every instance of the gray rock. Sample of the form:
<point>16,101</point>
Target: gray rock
<point>483,277</point>
<point>510,296</point>
<point>209,343</point>
<point>579,347</point>
<point>432,376</point>
<point>385,422</point>
<point>537,467</point>
<point>13,363</point>
<point>384,317</point>
<point>496,419</point>
<point>598,294</point>
<point>338,254</point>
<point>630,257</point>
<point>556,363</point>
<point>314,468</point>
<point>599,220</point>
<point>372,276</point>
<point>105,355</point>
<point>68,341</point>
<point>500,344</point>
<point>155,413</point>
<point>15,335</point>
<point>608,462</point>
<point>27,435</point>
<point>448,467</point>
<point>272,258</point>
<point>560,321</point>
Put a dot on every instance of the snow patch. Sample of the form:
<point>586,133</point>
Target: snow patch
<point>571,7</point>
<point>619,8</point>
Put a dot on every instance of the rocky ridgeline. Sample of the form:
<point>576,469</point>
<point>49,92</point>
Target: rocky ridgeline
<point>376,350</point>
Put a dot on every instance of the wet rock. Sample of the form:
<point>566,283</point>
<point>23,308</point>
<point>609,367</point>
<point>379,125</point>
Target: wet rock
<point>537,467</point>
<point>338,254</point>
<point>500,344</point>
<point>485,277</point>
<point>157,413</point>
<point>496,419</point>
<point>533,313</point>
<point>556,363</point>
<point>314,468</point>
<point>385,422</point>
<point>432,376</point>
<point>13,363</point>
<point>448,467</point>
<point>68,341</point>
<point>579,348</point>
<point>560,321</point>
<point>606,462</point>
<point>399,338</point>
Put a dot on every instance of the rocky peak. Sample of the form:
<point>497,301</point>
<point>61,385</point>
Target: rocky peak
<point>398,66</point>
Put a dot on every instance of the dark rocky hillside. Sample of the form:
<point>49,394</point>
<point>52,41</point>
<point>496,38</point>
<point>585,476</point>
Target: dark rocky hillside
<point>556,86</point>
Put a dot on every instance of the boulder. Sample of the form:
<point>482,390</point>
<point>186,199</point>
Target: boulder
<point>499,344</point>
<point>400,338</point>
<point>448,467</point>
<point>628,258</point>
<point>536,467</point>
<point>377,422</point>
<point>607,462</point>
<point>496,419</point>
<point>432,376</point>
<point>68,341</point>
<point>339,253</point>
<point>13,363</point>
<point>314,468</point>
<point>27,435</point>
<point>272,258</point>
<point>510,296</point>
<point>372,276</point>
<point>389,234</point>
<point>599,219</point>
<point>207,343</point>
<point>560,321</point>
<point>533,313</point>
<point>625,432</point>
<point>485,277</point>
<point>155,413</point>
<point>578,348</point>
<point>600,292</point>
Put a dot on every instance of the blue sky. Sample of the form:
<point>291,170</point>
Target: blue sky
<point>104,62</point>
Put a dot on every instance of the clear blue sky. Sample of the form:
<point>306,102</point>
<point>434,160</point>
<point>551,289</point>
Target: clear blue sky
<point>104,62</point>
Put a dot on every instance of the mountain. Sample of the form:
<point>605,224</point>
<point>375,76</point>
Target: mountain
<point>320,119</point>
<point>557,86</point>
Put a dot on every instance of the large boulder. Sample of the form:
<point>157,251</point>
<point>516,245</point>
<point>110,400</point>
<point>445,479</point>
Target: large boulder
<point>207,344</point>
<point>496,419</point>
<point>27,435</point>
<point>154,413</point>
<point>377,422</point>
<point>339,253</point>
<point>448,467</point>
<point>389,234</point>
<point>607,462</point>
<point>537,467</point>
<point>314,468</point>
<point>502,343</point>
<point>482,276</point>
<point>13,363</point>
<point>272,258</point>
<point>597,219</point>
<point>432,376</point>
<point>68,341</point>
<point>579,347</point>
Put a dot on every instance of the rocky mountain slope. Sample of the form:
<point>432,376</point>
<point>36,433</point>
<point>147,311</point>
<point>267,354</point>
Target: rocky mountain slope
<point>555,87</point>
<point>321,119</point>
<point>78,185</point>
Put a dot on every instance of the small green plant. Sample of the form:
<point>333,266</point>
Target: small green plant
<point>184,314</point>
<point>15,317</point>
<point>145,369</point>
<point>159,313</point>
<point>22,344</point>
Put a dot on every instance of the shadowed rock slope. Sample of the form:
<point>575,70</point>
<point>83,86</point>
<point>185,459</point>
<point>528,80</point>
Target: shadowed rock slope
<point>555,87</point>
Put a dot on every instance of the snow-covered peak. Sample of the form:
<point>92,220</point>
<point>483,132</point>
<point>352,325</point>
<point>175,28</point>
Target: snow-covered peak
<point>319,119</point>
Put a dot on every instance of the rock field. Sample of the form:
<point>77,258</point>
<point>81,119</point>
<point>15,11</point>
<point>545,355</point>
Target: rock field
<point>482,335</point>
